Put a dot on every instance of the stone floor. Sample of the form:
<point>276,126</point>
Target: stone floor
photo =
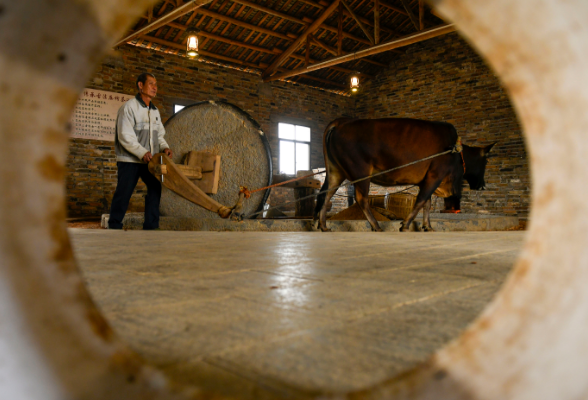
<point>290,315</point>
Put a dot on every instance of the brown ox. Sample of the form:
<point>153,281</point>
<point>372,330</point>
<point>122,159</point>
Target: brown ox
<point>356,148</point>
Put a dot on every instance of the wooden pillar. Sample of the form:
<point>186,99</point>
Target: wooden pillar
<point>304,208</point>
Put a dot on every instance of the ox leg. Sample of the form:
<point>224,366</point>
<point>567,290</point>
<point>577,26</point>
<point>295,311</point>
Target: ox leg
<point>427,187</point>
<point>426,220</point>
<point>362,190</point>
<point>334,179</point>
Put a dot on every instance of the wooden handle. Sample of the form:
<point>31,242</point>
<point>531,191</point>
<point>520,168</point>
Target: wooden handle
<point>178,183</point>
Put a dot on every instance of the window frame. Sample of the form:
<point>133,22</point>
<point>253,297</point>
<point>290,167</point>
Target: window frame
<point>294,141</point>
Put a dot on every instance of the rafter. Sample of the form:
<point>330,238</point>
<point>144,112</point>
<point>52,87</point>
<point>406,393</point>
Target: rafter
<point>411,15</point>
<point>205,53</point>
<point>159,22</point>
<point>376,21</point>
<point>393,8</point>
<point>271,11</point>
<point>243,24</point>
<point>278,61</point>
<point>393,44</point>
<point>421,14</point>
<point>340,31</point>
<point>356,18</point>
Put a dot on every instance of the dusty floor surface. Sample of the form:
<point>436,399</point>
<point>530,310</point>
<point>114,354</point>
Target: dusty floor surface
<point>286,315</point>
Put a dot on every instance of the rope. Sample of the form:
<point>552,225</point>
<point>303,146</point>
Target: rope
<point>456,149</point>
<point>248,193</point>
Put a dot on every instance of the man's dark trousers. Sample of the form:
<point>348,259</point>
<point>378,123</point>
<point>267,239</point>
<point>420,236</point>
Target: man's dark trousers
<point>128,176</point>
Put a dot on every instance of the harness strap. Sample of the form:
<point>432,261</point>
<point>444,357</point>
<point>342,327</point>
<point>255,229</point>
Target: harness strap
<point>458,148</point>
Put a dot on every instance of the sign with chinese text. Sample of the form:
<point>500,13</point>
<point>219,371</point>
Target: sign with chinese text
<point>95,114</point>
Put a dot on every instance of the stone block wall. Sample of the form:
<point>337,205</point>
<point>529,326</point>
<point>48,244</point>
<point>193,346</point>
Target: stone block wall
<point>91,178</point>
<point>443,79</point>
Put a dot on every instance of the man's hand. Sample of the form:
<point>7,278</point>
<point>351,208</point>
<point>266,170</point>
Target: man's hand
<point>168,152</point>
<point>147,157</point>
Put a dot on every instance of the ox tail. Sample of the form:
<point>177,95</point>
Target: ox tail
<point>320,199</point>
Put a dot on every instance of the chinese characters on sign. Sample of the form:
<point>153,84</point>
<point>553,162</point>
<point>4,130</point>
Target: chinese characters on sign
<point>95,114</point>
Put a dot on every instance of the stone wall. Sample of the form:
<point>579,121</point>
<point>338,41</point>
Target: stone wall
<point>91,178</point>
<point>443,79</point>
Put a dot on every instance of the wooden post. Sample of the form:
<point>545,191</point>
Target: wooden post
<point>377,21</point>
<point>304,208</point>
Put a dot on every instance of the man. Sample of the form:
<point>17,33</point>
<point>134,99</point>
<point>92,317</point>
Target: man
<point>139,134</point>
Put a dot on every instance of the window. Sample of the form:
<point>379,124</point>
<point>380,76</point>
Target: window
<point>294,148</point>
<point>177,108</point>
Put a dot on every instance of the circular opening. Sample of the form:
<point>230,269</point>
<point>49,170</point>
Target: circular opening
<point>533,326</point>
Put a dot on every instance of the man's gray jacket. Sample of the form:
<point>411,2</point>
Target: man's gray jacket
<point>138,130</point>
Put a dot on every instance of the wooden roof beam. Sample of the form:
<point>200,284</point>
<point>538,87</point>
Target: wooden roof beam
<point>421,14</point>
<point>328,82</point>
<point>380,48</point>
<point>374,62</point>
<point>393,8</point>
<point>413,18</point>
<point>164,20</point>
<point>356,18</point>
<point>365,21</point>
<point>205,53</point>
<point>244,24</point>
<point>314,26</point>
<point>271,11</point>
<point>220,38</point>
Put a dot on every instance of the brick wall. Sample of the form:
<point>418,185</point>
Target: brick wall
<point>91,176</point>
<point>443,79</point>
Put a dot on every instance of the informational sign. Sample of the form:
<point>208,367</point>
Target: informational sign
<point>95,114</point>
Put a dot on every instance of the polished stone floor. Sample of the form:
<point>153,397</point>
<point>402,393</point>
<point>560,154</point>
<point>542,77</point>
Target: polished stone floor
<point>287,315</point>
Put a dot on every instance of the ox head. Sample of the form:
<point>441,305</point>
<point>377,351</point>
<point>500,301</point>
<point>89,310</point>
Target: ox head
<point>475,159</point>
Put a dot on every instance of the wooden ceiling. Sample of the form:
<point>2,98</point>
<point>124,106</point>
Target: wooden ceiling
<point>281,39</point>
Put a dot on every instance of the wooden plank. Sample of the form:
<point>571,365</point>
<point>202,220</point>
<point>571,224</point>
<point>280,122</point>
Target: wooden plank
<point>178,183</point>
<point>411,15</point>
<point>314,26</point>
<point>190,172</point>
<point>356,18</point>
<point>380,48</point>
<point>210,166</point>
<point>164,20</point>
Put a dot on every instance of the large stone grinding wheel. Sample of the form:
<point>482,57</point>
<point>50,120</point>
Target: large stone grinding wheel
<point>226,130</point>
